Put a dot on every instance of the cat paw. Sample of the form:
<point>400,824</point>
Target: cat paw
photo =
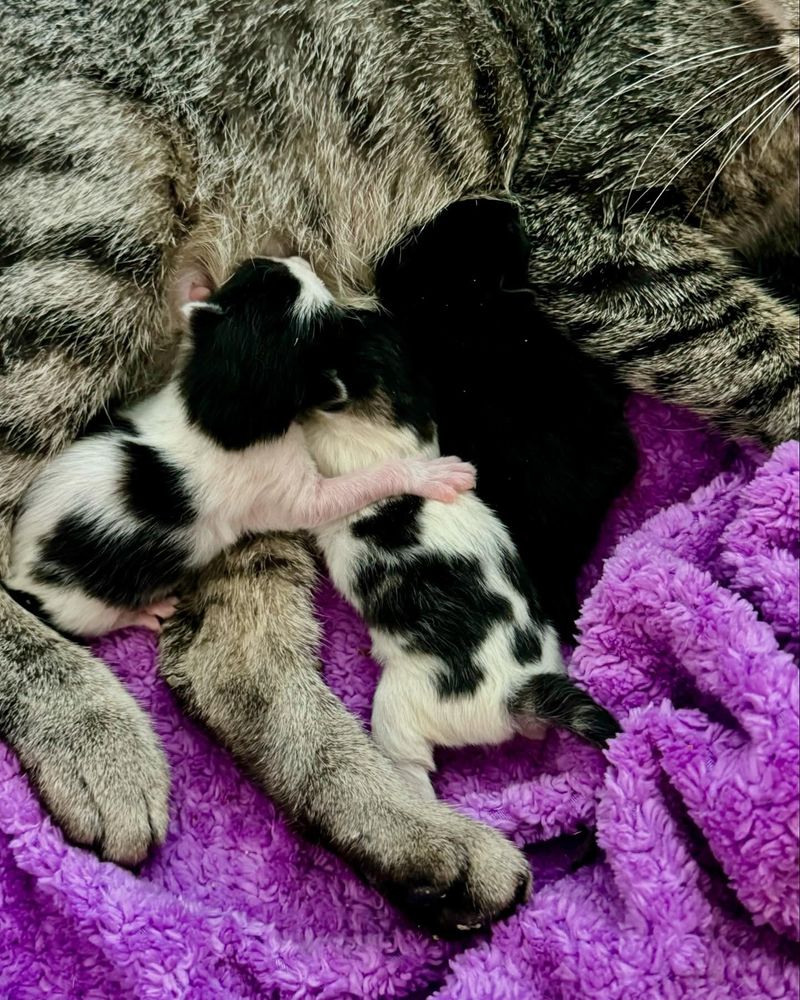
<point>97,764</point>
<point>461,876</point>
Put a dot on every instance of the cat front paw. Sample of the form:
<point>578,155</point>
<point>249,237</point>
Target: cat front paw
<point>458,876</point>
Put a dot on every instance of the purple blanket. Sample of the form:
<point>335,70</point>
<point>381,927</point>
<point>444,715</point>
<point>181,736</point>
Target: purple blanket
<point>689,634</point>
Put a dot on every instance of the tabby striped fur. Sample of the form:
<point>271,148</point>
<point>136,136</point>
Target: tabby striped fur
<point>138,139</point>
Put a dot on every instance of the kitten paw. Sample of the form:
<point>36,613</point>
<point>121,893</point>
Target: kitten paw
<point>162,609</point>
<point>441,478</point>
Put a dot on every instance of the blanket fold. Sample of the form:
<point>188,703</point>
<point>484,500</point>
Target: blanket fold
<point>689,634</point>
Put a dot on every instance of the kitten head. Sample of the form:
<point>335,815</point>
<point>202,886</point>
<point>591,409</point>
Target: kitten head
<point>262,352</point>
<point>468,253</point>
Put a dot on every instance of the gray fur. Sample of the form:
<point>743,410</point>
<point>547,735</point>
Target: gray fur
<point>241,654</point>
<point>650,284</point>
<point>136,139</point>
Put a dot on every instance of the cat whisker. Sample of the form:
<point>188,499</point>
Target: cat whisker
<point>703,145</point>
<point>650,54</point>
<point>733,149</point>
<point>701,59</point>
<point>725,85</point>
<point>792,107</point>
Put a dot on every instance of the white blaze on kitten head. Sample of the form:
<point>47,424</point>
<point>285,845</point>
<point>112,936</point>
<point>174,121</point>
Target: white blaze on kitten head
<point>193,288</point>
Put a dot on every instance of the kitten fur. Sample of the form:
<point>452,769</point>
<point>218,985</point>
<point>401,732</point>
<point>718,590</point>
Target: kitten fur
<point>543,422</point>
<point>140,142</point>
<point>111,526</point>
<point>467,655</point>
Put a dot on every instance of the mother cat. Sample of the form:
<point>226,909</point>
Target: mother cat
<point>145,148</point>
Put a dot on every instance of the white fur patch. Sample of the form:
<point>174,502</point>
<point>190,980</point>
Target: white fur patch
<point>314,297</point>
<point>191,307</point>
<point>410,717</point>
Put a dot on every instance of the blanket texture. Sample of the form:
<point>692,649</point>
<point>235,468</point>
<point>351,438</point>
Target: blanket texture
<point>689,634</point>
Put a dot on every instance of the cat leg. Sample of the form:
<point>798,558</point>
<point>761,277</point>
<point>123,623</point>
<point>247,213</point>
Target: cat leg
<point>667,308</point>
<point>241,652</point>
<point>80,325</point>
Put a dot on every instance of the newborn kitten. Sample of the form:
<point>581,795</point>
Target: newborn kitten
<point>109,528</point>
<point>544,424</point>
<point>468,656</point>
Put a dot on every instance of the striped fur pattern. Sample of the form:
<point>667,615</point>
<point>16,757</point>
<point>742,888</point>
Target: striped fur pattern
<point>141,142</point>
<point>653,187</point>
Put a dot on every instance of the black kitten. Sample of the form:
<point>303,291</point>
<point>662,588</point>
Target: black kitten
<point>543,423</point>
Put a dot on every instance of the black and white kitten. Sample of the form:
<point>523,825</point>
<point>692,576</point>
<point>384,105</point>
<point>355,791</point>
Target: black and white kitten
<point>468,656</point>
<point>109,528</point>
<point>543,423</point>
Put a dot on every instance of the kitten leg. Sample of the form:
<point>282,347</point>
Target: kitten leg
<point>144,620</point>
<point>319,501</point>
<point>162,609</point>
<point>152,617</point>
<point>396,730</point>
<point>241,652</point>
<point>667,308</point>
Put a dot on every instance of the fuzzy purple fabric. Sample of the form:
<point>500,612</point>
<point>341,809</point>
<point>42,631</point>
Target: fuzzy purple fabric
<point>690,635</point>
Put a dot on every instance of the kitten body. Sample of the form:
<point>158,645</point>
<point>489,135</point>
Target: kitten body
<point>110,527</point>
<point>543,422</point>
<point>468,656</point>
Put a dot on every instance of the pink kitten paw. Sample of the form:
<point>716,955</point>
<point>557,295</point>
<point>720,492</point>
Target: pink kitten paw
<point>162,609</point>
<point>150,622</point>
<point>441,478</point>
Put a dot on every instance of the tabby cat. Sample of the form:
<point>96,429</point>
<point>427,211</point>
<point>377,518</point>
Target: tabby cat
<point>651,145</point>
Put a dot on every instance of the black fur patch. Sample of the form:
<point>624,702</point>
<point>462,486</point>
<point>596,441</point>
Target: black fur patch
<point>255,365</point>
<point>106,422</point>
<point>543,423</point>
<point>154,489</point>
<point>527,645</point>
<point>556,699</point>
<point>454,264</point>
<point>393,525</point>
<point>437,605</point>
<point>126,570</point>
<point>32,604</point>
<point>373,361</point>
